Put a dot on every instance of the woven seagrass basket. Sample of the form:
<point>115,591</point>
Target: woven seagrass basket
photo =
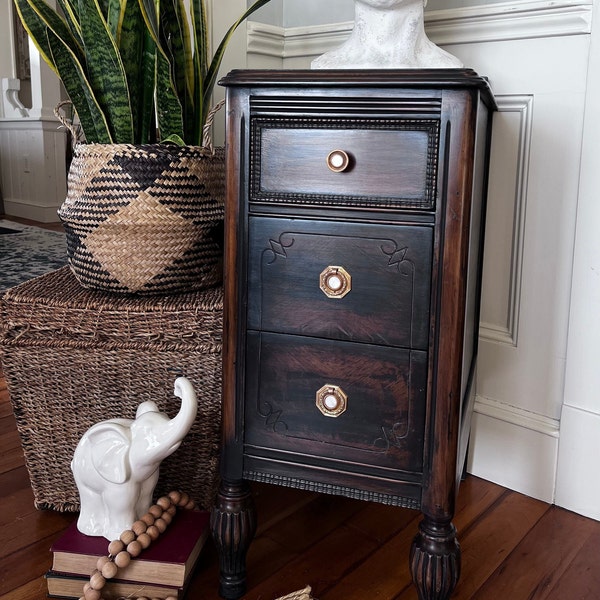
<point>73,357</point>
<point>145,219</point>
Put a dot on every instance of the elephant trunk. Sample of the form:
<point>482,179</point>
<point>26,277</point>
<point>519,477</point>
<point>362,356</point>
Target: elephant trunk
<point>177,427</point>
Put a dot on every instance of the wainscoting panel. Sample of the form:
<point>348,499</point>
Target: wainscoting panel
<point>33,168</point>
<point>509,174</point>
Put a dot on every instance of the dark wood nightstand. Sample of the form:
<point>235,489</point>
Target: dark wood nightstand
<point>354,231</point>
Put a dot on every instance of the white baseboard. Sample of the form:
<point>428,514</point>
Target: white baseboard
<point>577,483</point>
<point>42,214</point>
<point>514,448</point>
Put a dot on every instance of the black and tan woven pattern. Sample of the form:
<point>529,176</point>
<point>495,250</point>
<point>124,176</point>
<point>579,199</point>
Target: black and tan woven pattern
<point>73,357</point>
<point>145,219</point>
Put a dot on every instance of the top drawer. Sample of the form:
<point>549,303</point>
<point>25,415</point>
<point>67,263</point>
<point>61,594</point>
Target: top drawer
<point>350,162</point>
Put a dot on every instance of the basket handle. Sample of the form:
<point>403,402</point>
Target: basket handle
<point>67,123</point>
<point>207,141</point>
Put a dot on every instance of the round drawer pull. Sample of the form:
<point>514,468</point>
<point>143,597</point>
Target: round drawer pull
<point>335,282</point>
<point>332,400</point>
<point>338,161</point>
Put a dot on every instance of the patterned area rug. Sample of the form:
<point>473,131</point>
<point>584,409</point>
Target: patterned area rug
<point>26,252</point>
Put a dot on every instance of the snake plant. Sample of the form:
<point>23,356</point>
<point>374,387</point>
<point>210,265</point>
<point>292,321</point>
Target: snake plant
<point>136,71</point>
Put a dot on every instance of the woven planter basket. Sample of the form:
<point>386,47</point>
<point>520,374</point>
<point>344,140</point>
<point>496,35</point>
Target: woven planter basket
<point>145,219</point>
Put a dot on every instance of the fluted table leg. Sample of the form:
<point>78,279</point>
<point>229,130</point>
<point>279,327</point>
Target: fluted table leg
<point>435,560</point>
<point>233,525</point>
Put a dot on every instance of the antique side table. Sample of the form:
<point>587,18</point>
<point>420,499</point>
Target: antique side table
<point>353,251</point>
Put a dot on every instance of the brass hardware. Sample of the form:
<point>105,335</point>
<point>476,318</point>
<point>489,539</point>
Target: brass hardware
<point>338,161</point>
<point>331,400</point>
<point>335,282</point>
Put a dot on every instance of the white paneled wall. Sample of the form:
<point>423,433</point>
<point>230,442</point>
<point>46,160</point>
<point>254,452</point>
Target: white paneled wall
<point>536,55</point>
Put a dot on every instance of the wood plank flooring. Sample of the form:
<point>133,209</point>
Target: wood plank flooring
<point>514,547</point>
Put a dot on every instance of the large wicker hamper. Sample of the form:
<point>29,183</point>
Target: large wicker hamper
<point>73,357</point>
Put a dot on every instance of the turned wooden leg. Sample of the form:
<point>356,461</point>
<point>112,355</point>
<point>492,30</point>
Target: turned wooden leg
<point>435,560</point>
<point>233,525</point>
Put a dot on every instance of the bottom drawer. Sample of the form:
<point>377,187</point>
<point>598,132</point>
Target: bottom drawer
<point>320,402</point>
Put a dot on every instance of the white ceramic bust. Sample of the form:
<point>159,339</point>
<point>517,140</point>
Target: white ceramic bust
<point>387,34</point>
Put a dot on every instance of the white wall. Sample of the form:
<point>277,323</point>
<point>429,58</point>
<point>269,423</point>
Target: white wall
<point>302,13</point>
<point>578,486</point>
<point>536,55</point>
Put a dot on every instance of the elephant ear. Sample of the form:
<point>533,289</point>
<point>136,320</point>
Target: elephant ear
<point>110,444</point>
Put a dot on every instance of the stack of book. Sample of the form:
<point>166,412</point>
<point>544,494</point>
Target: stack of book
<point>163,569</point>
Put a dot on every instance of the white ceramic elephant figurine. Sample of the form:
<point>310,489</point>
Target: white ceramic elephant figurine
<point>116,463</point>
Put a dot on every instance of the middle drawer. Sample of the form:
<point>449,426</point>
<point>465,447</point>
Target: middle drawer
<point>338,280</point>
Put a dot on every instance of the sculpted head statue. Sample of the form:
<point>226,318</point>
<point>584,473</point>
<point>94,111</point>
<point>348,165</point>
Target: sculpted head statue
<point>388,34</point>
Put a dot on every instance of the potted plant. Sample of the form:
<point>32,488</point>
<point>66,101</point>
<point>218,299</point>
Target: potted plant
<point>145,191</point>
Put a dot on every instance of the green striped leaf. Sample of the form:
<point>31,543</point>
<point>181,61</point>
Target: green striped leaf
<point>169,108</point>
<point>200,66</point>
<point>169,114</point>
<point>71,18</point>
<point>131,39</point>
<point>56,45</point>
<point>91,117</point>
<point>105,71</point>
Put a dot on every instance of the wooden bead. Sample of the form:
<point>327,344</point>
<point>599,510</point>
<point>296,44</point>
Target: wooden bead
<point>148,519</point>
<point>92,594</point>
<point>115,547</point>
<point>161,525</point>
<point>175,496</point>
<point>97,581</point>
<point>156,511</point>
<point>145,540</point>
<point>139,527</point>
<point>101,562</point>
<point>164,502</point>
<point>122,559</point>
<point>167,518</point>
<point>127,536</point>
<point>172,510</point>
<point>153,532</point>
<point>191,505</point>
<point>170,598</point>
<point>109,570</point>
<point>184,499</point>
<point>134,548</point>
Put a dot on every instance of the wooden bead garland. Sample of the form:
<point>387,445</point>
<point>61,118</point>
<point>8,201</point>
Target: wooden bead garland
<point>133,541</point>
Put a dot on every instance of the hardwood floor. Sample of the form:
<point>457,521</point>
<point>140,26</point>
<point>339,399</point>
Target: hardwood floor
<point>514,547</point>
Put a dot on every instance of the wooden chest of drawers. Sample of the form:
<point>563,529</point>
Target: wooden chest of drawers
<point>354,231</point>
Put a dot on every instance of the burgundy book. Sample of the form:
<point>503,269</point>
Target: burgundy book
<point>168,561</point>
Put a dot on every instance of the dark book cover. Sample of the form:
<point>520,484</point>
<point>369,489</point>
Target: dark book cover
<point>168,561</point>
<point>61,585</point>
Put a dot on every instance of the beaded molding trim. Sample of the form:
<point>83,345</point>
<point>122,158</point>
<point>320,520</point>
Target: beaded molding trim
<point>328,488</point>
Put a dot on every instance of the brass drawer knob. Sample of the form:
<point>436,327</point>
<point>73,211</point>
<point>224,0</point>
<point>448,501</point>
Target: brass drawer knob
<point>332,400</point>
<point>338,161</point>
<point>335,282</point>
